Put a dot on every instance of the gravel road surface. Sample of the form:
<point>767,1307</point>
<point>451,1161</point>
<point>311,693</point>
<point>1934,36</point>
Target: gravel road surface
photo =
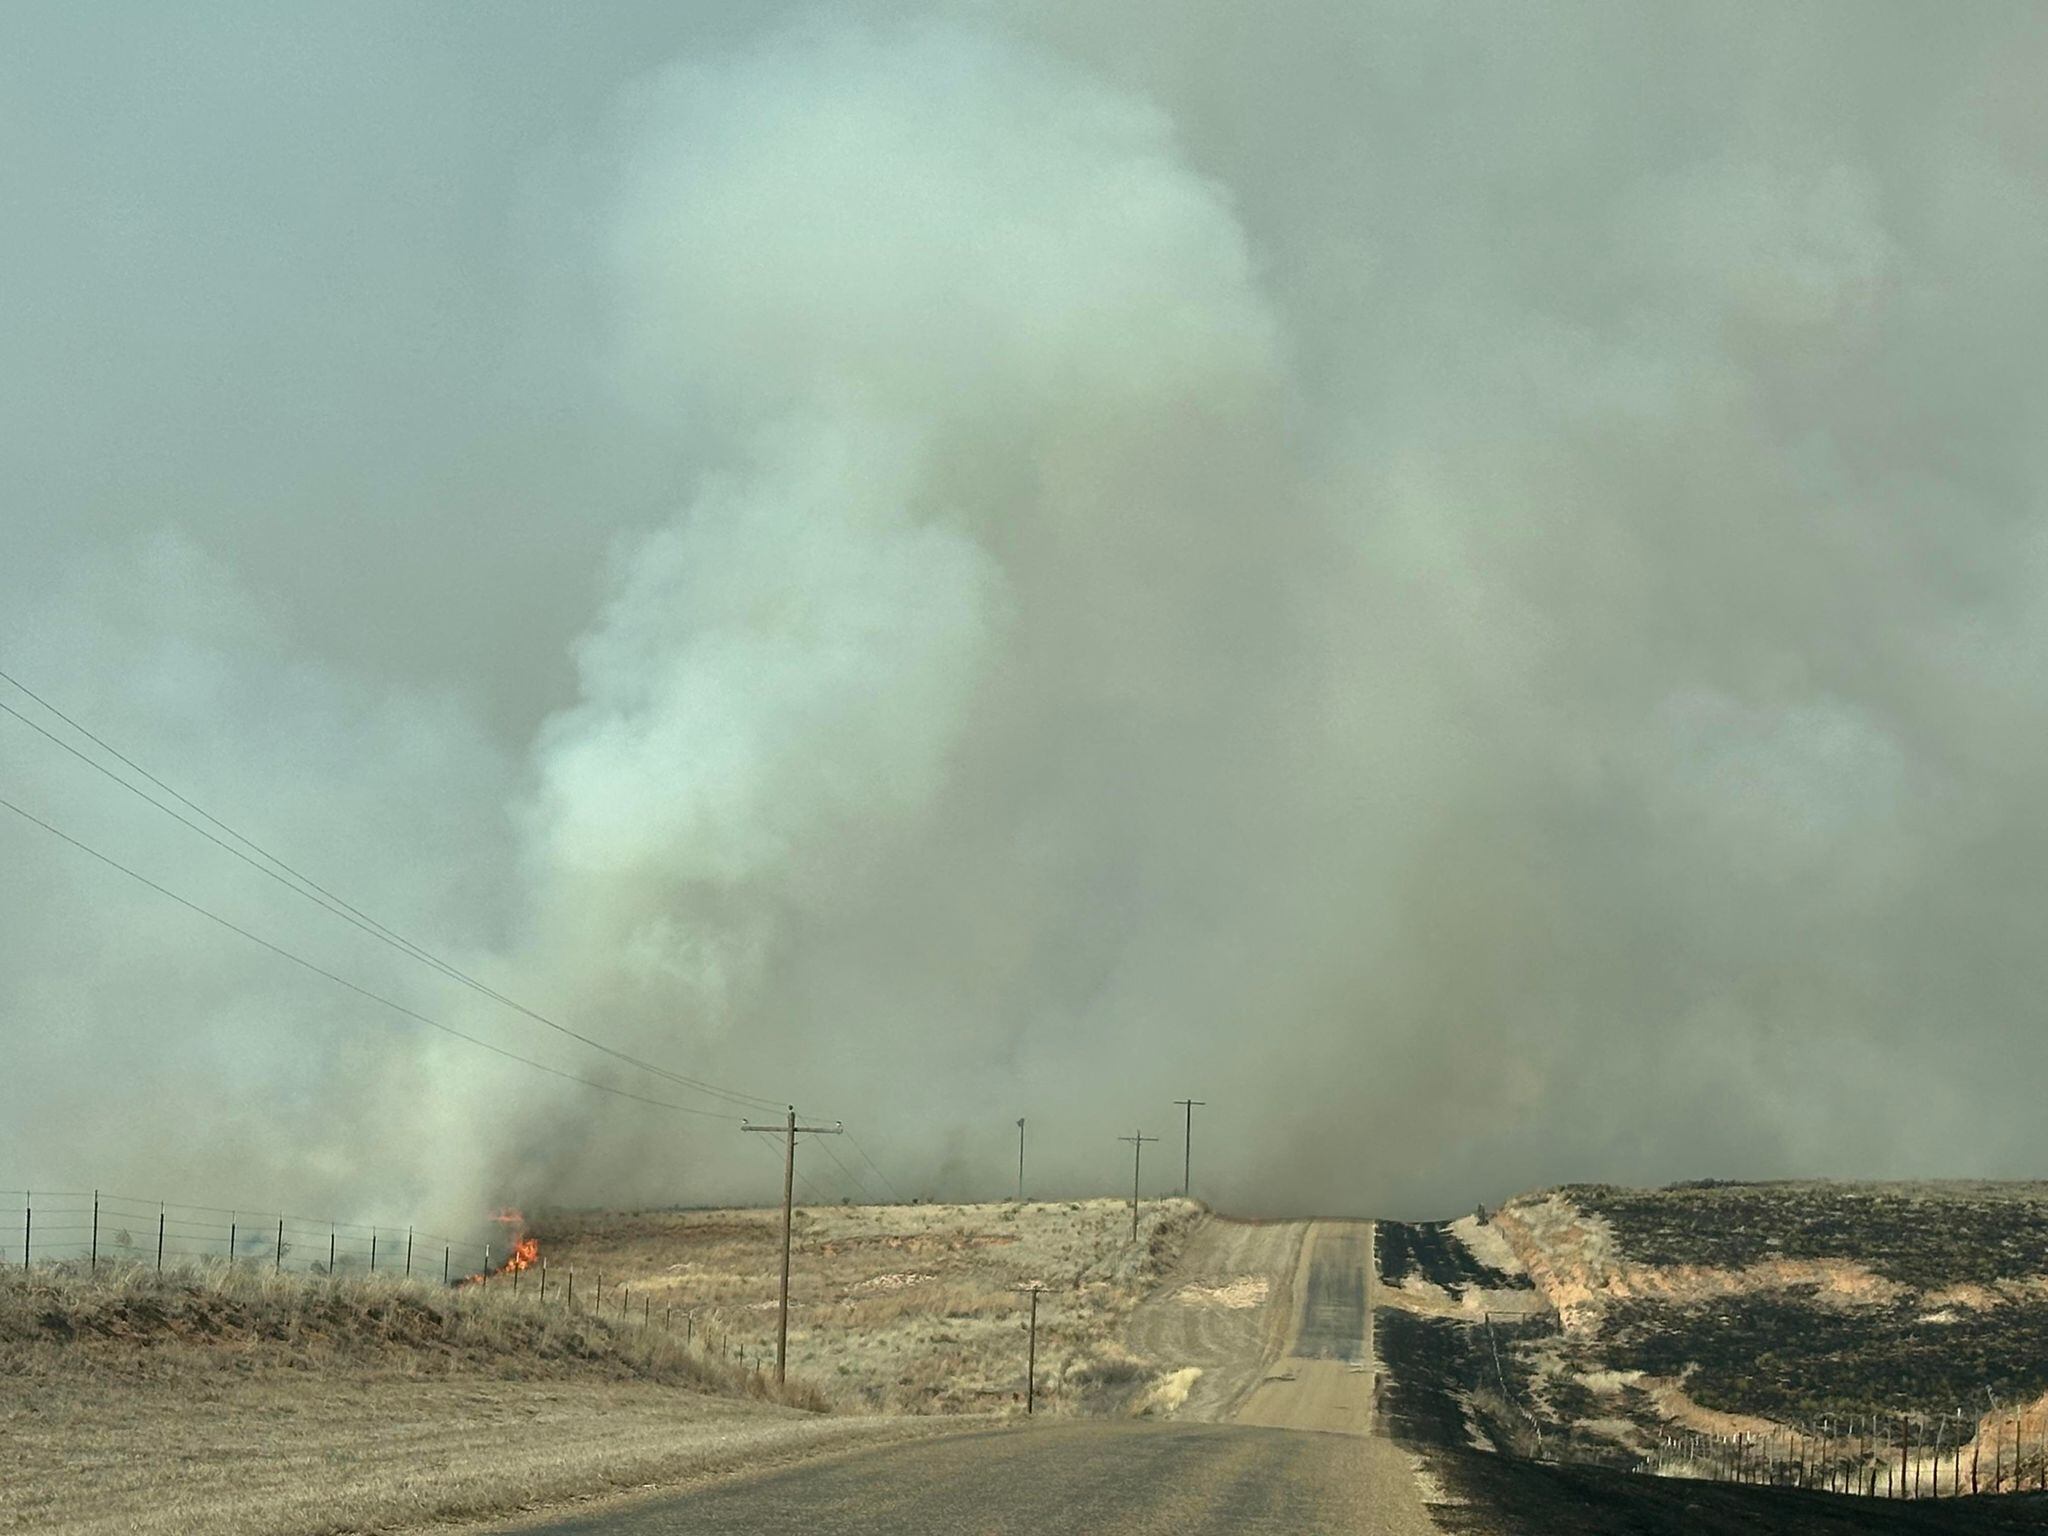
<point>1122,1478</point>
<point>1300,1458</point>
<point>1227,1309</point>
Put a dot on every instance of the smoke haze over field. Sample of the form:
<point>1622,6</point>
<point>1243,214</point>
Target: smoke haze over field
<point>1467,584</point>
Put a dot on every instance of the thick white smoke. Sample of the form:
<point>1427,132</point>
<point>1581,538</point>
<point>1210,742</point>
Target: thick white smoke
<point>1464,584</point>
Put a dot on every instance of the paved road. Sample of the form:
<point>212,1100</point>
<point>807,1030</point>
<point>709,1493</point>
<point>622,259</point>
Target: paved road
<point>1277,1469</point>
<point>1325,1379</point>
<point>1127,1479</point>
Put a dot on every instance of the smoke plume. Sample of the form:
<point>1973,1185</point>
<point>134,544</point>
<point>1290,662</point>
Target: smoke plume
<point>1462,584</point>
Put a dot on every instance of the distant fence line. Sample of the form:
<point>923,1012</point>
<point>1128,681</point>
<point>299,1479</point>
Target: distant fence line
<point>90,1227</point>
<point>1898,1456</point>
<point>93,1226</point>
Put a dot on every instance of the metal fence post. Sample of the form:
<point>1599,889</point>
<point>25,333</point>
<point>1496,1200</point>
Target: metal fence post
<point>28,1223</point>
<point>444,1265</point>
<point>233,1222</point>
<point>373,1250</point>
<point>95,1232</point>
<point>159,1237</point>
<point>408,1253</point>
<point>330,1252</point>
<point>277,1263</point>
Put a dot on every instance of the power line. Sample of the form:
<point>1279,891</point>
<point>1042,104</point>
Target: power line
<point>343,981</point>
<point>817,1195</point>
<point>853,1180</point>
<point>854,1142</point>
<point>320,896</point>
<point>790,1129</point>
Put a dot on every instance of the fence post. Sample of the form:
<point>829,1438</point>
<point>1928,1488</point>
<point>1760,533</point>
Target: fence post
<point>233,1222</point>
<point>277,1266</point>
<point>28,1223</point>
<point>572,1285</point>
<point>95,1232</point>
<point>373,1250</point>
<point>159,1237</point>
<point>408,1253</point>
<point>330,1252</point>
<point>444,1265</point>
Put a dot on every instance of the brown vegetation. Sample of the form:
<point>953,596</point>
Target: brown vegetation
<point>236,1401</point>
<point>906,1308</point>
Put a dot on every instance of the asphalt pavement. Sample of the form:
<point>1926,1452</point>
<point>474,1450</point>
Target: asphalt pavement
<point>1129,1479</point>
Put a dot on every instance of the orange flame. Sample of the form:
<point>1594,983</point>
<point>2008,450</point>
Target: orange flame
<point>525,1254</point>
<point>524,1250</point>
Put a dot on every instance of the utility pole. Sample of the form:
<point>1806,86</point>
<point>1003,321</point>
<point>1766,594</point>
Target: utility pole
<point>1137,1161</point>
<point>790,1131</point>
<point>1020,1159</point>
<point>1031,1356</point>
<point>1187,1145</point>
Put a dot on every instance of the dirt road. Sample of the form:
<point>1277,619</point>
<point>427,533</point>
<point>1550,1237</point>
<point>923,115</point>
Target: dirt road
<point>1227,1311</point>
<point>1278,1319</point>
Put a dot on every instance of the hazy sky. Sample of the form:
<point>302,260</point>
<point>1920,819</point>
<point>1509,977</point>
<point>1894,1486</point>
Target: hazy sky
<point>1466,583</point>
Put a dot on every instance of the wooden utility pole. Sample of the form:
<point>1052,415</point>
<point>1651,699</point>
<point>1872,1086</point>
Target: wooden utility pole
<point>1187,1145</point>
<point>1031,1354</point>
<point>1137,1161</point>
<point>790,1130</point>
<point>1020,1159</point>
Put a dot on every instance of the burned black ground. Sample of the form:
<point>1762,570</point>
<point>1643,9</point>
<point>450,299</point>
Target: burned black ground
<point>1507,1496</point>
<point>1924,1236</point>
<point>1431,1251</point>
<point>1780,1356</point>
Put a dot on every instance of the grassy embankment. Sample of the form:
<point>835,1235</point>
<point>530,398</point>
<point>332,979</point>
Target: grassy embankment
<point>238,1402</point>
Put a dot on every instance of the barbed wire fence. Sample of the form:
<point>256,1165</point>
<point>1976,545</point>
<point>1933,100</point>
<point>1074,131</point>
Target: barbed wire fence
<point>90,1230</point>
<point>95,1227</point>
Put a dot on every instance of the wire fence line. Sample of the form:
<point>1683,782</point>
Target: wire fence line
<point>95,1226</point>
<point>1895,1456</point>
<point>84,1229</point>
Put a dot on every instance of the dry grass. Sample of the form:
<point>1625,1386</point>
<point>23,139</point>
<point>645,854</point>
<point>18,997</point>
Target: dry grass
<point>138,1324</point>
<point>908,1308</point>
<point>239,1402</point>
